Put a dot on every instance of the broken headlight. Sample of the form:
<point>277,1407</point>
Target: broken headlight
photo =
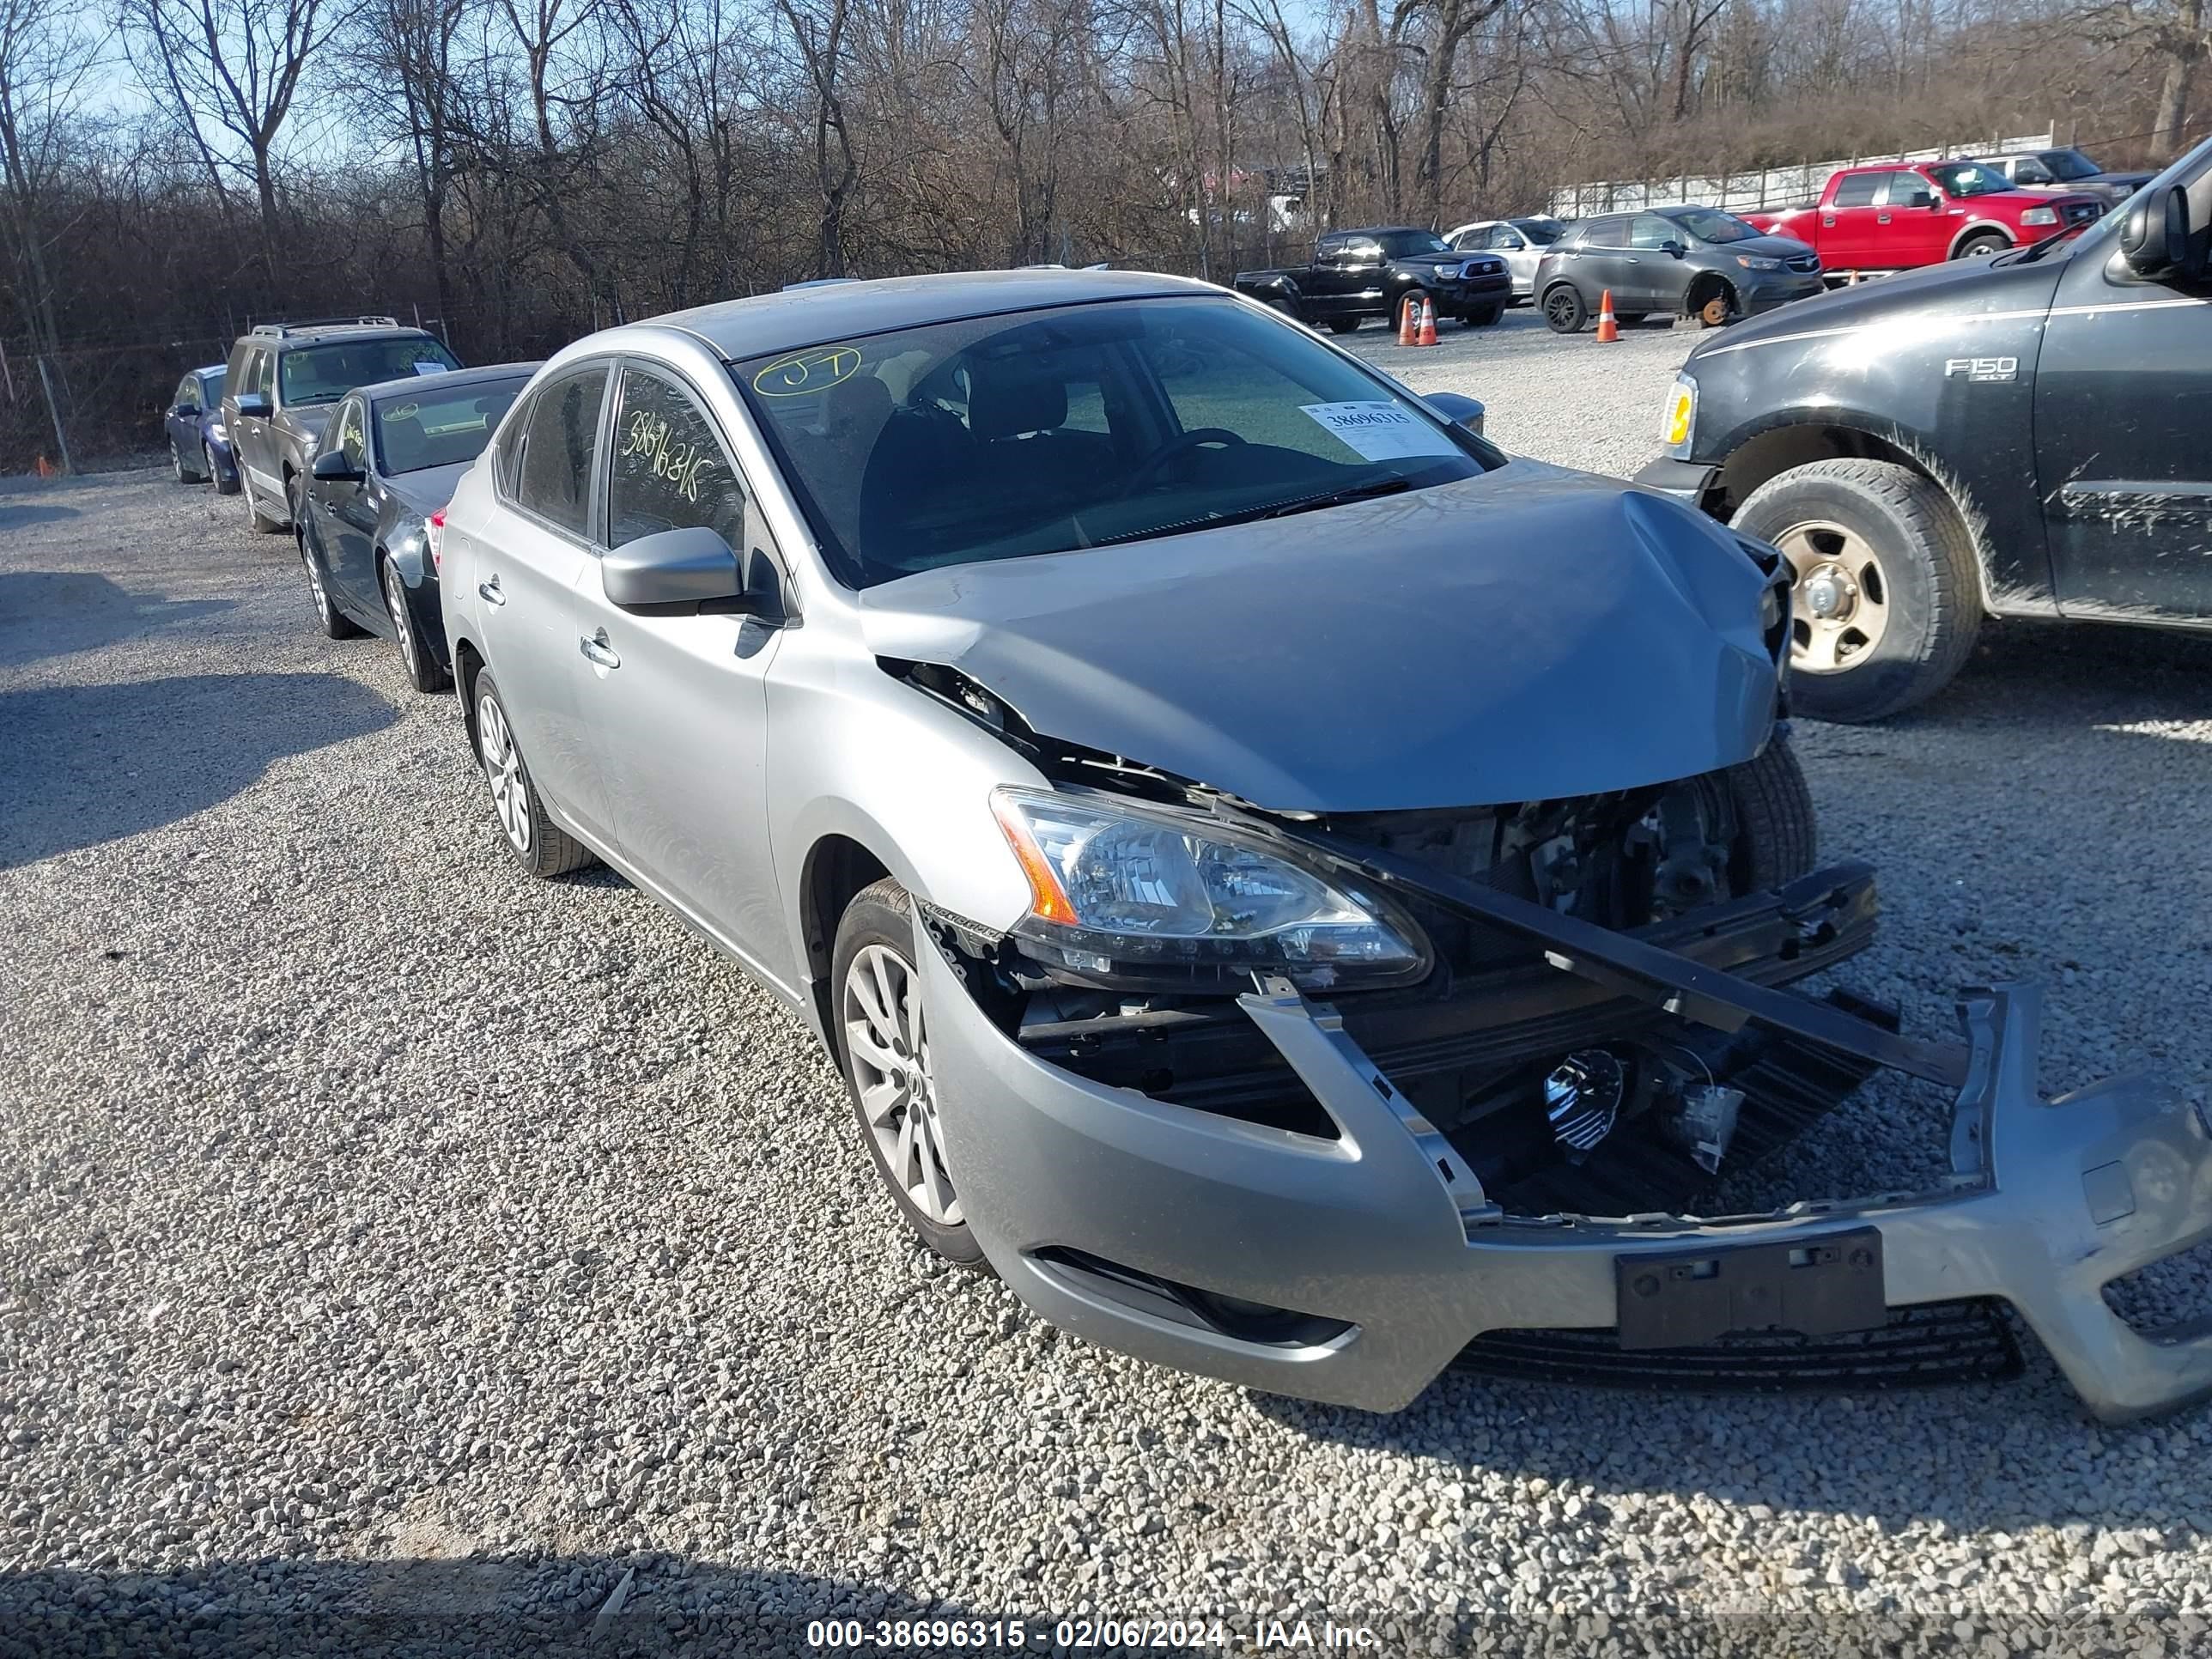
<point>1121,894</point>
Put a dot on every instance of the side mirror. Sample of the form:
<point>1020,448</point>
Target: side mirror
<point>1459,408</point>
<point>180,411</point>
<point>1924,199</point>
<point>254,405</point>
<point>2155,236</point>
<point>1674,249</point>
<point>672,571</point>
<point>335,466</point>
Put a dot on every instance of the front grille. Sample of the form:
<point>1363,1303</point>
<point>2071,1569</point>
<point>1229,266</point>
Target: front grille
<point>1968,1340</point>
<point>1803,262</point>
<point>2079,213</point>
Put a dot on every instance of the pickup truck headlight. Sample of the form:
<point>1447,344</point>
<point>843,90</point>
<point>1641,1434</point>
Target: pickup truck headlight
<point>1121,894</point>
<point>2039,216</point>
<point>1757,262</point>
<point>1681,422</point>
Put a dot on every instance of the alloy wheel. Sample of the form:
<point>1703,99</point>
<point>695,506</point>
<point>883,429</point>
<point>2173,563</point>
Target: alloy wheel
<point>887,1042</point>
<point>502,764</point>
<point>403,622</point>
<point>324,612</point>
<point>1563,310</point>
<point>208,455</point>
<point>177,462</point>
<point>1839,602</point>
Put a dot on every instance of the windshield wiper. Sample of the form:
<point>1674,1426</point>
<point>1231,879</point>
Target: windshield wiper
<point>1336,498</point>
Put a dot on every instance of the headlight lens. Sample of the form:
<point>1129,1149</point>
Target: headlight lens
<point>1120,894</point>
<point>1757,262</point>
<point>1681,413</point>
<point>2039,216</point>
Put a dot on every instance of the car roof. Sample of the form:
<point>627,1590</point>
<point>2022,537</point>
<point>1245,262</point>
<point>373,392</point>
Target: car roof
<point>319,333</point>
<point>1379,230</point>
<point>450,378</point>
<point>212,368</point>
<point>793,318</point>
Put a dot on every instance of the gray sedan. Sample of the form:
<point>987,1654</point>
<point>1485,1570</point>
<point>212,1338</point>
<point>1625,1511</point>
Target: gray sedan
<point>1281,878</point>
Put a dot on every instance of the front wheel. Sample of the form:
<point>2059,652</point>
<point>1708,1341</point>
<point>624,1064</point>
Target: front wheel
<point>177,464</point>
<point>1564,310</point>
<point>882,1047</point>
<point>334,623</point>
<point>1777,837</point>
<point>1981,246</point>
<point>1887,598</point>
<point>1344,325</point>
<point>222,486</point>
<point>1716,309</point>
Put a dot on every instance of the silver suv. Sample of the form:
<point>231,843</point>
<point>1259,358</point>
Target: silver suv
<point>1281,878</point>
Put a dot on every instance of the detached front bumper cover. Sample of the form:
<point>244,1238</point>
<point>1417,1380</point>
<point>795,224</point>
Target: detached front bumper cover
<point>1101,1206</point>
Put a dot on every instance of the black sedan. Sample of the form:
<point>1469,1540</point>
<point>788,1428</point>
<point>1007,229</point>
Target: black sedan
<point>387,464</point>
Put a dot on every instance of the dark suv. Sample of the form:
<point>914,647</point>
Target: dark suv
<point>285,379</point>
<point>1678,260</point>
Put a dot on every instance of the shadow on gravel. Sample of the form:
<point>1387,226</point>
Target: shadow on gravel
<point>2041,670</point>
<point>51,613</point>
<point>548,1605</point>
<point>19,518</point>
<point>90,763</point>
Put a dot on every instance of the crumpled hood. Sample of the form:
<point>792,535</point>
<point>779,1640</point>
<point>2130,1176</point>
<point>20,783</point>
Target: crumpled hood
<point>1531,634</point>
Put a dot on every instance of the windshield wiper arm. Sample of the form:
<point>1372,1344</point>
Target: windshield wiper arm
<point>1337,498</point>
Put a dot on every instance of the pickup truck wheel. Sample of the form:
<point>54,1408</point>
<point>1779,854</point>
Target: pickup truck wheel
<point>1484,316</point>
<point>1981,245</point>
<point>1886,601</point>
<point>882,1048</point>
<point>1564,310</point>
<point>1344,325</point>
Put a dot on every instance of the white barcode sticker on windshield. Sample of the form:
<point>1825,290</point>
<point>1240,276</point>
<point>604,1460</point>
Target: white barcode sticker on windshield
<point>1379,431</point>
<point>429,368</point>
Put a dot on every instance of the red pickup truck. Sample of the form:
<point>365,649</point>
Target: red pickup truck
<point>1896,217</point>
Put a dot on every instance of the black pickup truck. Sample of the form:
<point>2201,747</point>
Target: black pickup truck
<point>2021,436</point>
<point>1358,274</point>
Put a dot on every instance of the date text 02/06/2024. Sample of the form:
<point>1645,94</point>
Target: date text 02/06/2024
<point>1077,1635</point>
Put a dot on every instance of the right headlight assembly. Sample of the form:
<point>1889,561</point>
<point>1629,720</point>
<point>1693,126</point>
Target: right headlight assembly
<point>1124,895</point>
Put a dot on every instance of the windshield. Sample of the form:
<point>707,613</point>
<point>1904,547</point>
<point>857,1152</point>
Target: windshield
<point>2070,164</point>
<point>998,437</point>
<point>1711,225</point>
<point>1404,244</point>
<point>440,429</point>
<point>1969,178</point>
<point>1542,232</point>
<point>325,373</point>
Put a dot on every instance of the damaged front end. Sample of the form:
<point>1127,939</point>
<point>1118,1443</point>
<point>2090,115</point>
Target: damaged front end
<point>1332,1174</point>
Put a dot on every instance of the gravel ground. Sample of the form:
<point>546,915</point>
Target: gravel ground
<point>400,1256</point>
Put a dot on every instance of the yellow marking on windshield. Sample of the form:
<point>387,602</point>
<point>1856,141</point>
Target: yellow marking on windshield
<point>808,371</point>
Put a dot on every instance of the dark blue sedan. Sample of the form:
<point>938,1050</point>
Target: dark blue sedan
<point>199,446</point>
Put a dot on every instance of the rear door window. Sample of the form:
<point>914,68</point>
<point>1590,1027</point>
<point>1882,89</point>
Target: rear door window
<point>1606,232</point>
<point>560,439</point>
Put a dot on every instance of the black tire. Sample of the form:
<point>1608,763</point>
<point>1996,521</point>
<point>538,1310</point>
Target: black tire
<point>1484,316</point>
<point>260,520</point>
<point>1778,836</point>
<point>543,846</point>
<point>1927,566</point>
<point>1410,298</point>
<point>1565,310</point>
<point>425,672</point>
<point>1981,245</point>
<point>334,623</point>
<point>222,486</point>
<point>177,464</point>
<point>881,917</point>
<point>1344,325</point>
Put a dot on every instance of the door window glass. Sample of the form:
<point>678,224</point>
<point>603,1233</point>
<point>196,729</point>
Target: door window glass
<point>350,434</point>
<point>559,441</point>
<point>1606,232</point>
<point>1651,231</point>
<point>1907,189</point>
<point>259,373</point>
<point>1859,190</point>
<point>188,393</point>
<point>669,470</point>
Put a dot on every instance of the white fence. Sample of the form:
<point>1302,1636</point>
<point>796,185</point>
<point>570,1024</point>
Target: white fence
<point>1777,187</point>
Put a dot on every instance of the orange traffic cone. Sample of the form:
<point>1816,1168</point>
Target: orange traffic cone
<point>45,468</point>
<point>1408,329</point>
<point>1428,320</point>
<point>1607,329</point>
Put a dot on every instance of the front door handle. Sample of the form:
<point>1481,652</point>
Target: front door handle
<point>597,650</point>
<point>489,593</point>
<point>1881,218</point>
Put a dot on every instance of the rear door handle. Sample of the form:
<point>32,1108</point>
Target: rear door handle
<point>489,593</point>
<point>596,649</point>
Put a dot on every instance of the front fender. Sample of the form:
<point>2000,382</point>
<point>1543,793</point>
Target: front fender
<point>1977,226</point>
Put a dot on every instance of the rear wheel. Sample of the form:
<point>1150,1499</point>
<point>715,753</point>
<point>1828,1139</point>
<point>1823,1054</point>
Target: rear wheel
<point>1887,600</point>
<point>423,672</point>
<point>1564,310</point>
<point>883,1048</point>
<point>542,846</point>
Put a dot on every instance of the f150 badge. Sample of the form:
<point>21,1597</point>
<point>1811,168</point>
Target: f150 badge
<point>1981,368</point>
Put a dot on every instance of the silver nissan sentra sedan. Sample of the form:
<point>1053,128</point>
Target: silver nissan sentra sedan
<point>1303,895</point>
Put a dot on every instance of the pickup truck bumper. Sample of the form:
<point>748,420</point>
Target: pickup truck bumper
<point>1355,1269</point>
<point>1461,296</point>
